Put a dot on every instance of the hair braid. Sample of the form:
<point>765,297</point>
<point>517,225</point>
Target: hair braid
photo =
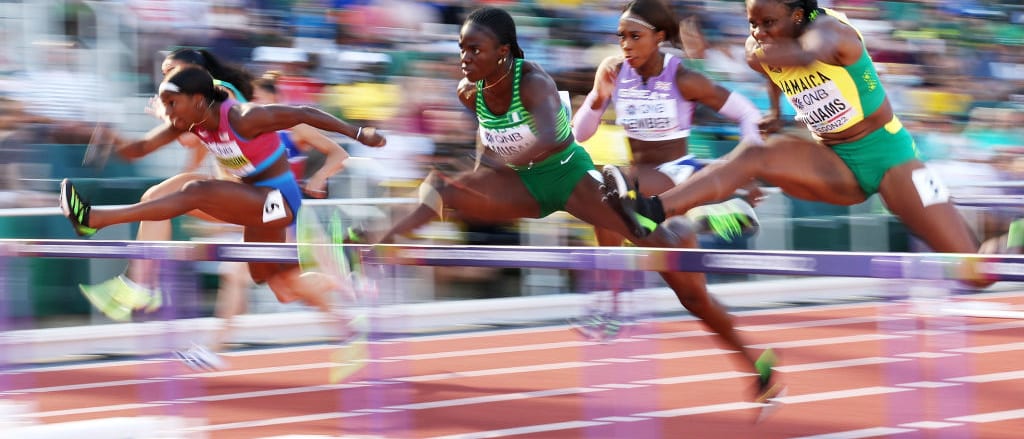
<point>501,24</point>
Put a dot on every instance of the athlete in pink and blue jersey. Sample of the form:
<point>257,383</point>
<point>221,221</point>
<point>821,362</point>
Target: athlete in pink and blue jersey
<point>244,140</point>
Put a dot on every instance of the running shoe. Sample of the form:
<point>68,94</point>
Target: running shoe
<point>599,327</point>
<point>197,357</point>
<point>642,214</point>
<point>729,219</point>
<point>768,389</point>
<point>75,208</point>
<point>118,297</point>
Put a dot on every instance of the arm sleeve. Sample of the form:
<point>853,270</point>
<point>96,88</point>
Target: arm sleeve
<point>738,108</point>
<point>586,120</point>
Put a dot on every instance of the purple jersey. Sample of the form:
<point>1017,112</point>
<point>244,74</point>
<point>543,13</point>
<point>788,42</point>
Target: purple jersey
<point>652,109</point>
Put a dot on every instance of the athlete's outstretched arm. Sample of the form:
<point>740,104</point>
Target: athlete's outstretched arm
<point>259,119</point>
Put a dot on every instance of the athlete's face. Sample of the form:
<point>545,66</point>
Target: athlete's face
<point>772,20</point>
<point>480,52</point>
<point>638,42</point>
<point>171,64</point>
<point>183,110</point>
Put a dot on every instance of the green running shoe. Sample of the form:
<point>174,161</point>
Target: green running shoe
<point>118,297</point>
<point>769,391</point>
<point>730,219</point>
<point>75,208</point>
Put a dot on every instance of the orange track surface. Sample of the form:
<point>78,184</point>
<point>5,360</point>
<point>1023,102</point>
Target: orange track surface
<point>863,370</point>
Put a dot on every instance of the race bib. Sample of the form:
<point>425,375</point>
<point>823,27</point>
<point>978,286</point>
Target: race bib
<point>646,119</point>
<point>507,142</point>
<point>274,208</point>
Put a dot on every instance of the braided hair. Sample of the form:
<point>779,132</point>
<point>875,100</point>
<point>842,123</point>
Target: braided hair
<point>658,14</point>
<point>810,8</point>
<point>501,24</point>
<point>221,71</point>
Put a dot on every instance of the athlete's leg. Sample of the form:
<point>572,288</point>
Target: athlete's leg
<point>227,201</point>
<point>919,199</point>
<point>689,287</point>
<point>801,167</point>
<point>142,270</point>
<point>486,195</point>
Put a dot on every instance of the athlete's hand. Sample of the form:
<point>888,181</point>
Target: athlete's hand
<point>370,137</point>
<point>604,81</point>
<point>155,108</point>
<point>316,187</point>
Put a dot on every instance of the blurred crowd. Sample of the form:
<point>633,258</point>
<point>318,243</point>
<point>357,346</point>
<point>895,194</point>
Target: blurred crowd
<point>954,69</point>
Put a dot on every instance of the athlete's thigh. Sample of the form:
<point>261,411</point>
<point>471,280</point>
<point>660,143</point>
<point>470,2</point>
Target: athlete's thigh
<point>803,168</point>
<point>243,204</point>
<point>651,180</point>
<point>586,204</point>
<point>918,198</point>
<point>490,195</point>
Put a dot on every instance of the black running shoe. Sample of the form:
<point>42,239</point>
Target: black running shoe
<point>75,208</point>
<point>633,208</point>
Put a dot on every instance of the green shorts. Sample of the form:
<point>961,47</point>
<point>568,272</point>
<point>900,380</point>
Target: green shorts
<point>552,181</point>
<point>871,157</point>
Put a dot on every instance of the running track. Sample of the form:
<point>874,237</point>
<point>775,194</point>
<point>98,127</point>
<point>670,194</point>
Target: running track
<point>854,371</point>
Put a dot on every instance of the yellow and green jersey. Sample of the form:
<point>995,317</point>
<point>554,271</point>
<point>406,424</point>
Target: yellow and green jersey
<point>830,98</point>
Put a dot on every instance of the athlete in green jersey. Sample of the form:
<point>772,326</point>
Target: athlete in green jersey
<point>533,167</point>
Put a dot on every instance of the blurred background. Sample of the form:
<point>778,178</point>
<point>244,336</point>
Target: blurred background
<point>954,71</point>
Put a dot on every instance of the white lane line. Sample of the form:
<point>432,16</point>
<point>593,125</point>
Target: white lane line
<point>990,417</point>
<point>930,425</point>
<point>925,332</point>
<point>700,410</point>
<point>695,378</point>
<point>990,348</point>
<point>276,421</point>
<point>684,354</point>
<point>990,377</point>
<point>619,386</point>
<point>859,434</point>
<point>260,370</point>
<point>87,410</point>
<point>926,355</point>
<point>541,428</point>
<point>496,350</point>
<point>72,387</point>
<point>495,398</point>
<point>621,419</point>
<point>853,362</point>
<point>673,335</point>
<point>619,360</point>
<point>841,394</point>
<point>818,323</point>
<point>266,393</point>
<point>928,384</point>
<point>827,341</point>
<point>498,371</point>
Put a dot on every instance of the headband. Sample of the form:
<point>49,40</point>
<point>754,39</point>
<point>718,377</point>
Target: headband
<point>168,86</point>
<point>639,21</point>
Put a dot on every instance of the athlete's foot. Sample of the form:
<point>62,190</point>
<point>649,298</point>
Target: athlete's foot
<point>769,390</point>
<point>197,357</point>
<point>75,208</point>
<point>118,297</point>
<point>641,214</point>
<point>729,219</point>
<point>599,327</point>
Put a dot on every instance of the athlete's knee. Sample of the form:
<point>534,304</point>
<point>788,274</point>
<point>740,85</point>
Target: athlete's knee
<point>432,192</point>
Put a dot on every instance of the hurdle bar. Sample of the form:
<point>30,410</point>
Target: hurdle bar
<point>934,266</point>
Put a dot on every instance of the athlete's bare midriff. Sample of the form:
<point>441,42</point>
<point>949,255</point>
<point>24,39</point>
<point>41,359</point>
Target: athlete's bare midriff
<point>656,152</point>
